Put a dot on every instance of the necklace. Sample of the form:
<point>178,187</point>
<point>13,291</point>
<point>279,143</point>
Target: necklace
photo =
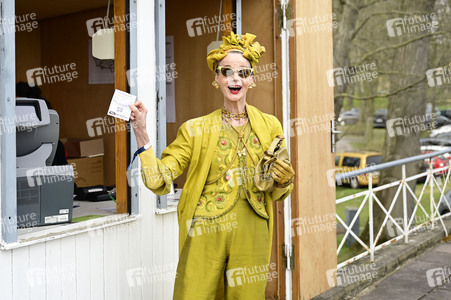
<point>229,115</point>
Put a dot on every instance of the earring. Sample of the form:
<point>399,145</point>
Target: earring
<point>252,85</point>
<point>215,84</point>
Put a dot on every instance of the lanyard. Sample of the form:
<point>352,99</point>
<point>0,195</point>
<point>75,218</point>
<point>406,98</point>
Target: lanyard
<point>137,152</point>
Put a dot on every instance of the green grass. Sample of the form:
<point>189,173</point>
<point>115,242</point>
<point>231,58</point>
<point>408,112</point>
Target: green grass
<point>343,191</point>
<point>444,105</point>
<point>378,103</point>
<point>85,218</point>
<point>376,143</point>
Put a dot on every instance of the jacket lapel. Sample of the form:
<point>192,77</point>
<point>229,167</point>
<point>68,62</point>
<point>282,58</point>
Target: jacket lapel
<point>210,134</point>
<point>259,126</point>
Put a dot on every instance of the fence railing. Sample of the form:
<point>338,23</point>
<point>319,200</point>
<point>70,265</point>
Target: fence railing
<point>436,179</point>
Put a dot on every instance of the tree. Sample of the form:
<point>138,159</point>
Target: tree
<point>408,105</point>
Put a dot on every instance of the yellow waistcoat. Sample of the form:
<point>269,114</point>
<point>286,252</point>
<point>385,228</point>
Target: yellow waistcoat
<point>231,175</point>
<point>195,143</point>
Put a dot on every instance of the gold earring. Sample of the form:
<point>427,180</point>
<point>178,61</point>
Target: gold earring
<point>252,85</point>
<point>215,84</point>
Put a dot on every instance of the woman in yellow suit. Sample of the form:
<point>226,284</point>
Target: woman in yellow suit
<point>225,220</point>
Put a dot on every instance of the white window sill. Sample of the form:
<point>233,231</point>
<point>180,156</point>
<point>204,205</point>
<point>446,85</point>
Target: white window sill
<point>172,202</point>
<point>171,207</point>
<point>26,238</point>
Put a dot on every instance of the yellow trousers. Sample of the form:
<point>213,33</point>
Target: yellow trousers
<point>225,258</point>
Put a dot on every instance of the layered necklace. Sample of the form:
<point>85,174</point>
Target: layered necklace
<point>227,114</point>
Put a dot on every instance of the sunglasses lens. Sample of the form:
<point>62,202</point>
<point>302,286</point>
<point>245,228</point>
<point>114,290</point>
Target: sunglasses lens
<point>227,72</point>
<point>244,73</point>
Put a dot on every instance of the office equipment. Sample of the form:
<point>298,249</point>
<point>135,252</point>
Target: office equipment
<point>44,192</point>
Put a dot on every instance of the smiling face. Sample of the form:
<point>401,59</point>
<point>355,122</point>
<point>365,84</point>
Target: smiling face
<point>234,88</point>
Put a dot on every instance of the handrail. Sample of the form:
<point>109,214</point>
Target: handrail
<point>408,224</point>
<point>342,176</point>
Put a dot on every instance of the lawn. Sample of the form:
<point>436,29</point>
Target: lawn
<point>378,103</point>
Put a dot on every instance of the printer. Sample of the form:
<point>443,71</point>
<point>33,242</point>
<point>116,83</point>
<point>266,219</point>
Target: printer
<point>44,192</point>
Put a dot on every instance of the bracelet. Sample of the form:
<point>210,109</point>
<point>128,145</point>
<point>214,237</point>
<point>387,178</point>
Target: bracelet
<point>137,152</point>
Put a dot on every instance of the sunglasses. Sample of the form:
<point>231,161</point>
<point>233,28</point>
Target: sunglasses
<point>243,72</point>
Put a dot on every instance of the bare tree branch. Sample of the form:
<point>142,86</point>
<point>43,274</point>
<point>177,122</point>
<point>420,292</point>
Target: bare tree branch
<point>399,45</point>
<point>370,4</point>
<point>381,95</point>
<point>358,28</point>
<point>347,2</point>
<point>393,73</point>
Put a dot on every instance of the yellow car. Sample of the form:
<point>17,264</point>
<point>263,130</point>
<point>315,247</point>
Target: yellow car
<point>351,161</point>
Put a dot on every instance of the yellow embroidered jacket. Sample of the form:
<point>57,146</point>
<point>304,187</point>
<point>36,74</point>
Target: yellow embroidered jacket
<point>231,175</point>
<point>195,144</point>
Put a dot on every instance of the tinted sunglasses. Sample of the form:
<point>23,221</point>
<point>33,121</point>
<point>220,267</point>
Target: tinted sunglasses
<point>242,72</point>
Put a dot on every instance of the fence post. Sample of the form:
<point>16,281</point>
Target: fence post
<point>431,192</point>
<point>370,213</point>
<point>404,204</point>
<point>350,213</point>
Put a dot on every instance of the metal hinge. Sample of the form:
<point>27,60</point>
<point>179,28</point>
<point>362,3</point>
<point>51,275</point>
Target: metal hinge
<point>333,132</point>
<point>288,257</point>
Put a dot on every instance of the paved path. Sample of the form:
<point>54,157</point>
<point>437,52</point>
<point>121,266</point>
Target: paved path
<point>426,277</point>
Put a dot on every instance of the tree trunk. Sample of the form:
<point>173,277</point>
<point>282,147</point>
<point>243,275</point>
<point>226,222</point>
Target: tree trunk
<point>342,45</point>
<point>411,60</point>
<point>369,121</point>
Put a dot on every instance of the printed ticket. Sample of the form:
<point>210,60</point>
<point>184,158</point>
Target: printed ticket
<point>119,106</point>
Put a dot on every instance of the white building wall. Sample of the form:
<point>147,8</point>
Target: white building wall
<point>135,260</point>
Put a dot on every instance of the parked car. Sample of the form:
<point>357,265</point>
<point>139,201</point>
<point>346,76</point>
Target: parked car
<point>351,161</point>
<point>438,122</point>
<point>445,138</point>
<point>349,117</point>
<point>445,204</point>
<point>436,143</point>
<point>433,148</point>
<point>438,162</point>
<point>380,118</point>
<point>442,130</point>
<point>446,113</point>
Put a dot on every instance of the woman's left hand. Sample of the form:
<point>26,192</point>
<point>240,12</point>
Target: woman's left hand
<point>282,171</point>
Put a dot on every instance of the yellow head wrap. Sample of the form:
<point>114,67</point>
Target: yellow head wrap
<point>251,51</point>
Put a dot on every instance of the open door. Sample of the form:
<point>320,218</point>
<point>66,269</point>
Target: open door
<point>187,30</point>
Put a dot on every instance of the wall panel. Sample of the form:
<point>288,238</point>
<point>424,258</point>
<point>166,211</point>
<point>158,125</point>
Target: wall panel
<point>65,40</point>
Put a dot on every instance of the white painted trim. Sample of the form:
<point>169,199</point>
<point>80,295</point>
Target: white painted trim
<point>69,230</point>
<point>239,17</point>
<point>287,132</point>
<point>162,211</point>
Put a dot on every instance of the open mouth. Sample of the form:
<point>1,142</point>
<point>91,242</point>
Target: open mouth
<point>235,89</point>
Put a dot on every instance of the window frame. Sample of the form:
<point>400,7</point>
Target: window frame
<point>8,137</point>
<point>9,238</point>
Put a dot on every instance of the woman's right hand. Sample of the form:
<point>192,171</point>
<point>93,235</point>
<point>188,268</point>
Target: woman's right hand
<point>138,120</point>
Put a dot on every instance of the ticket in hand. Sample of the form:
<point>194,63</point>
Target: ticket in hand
<point>119,106</point>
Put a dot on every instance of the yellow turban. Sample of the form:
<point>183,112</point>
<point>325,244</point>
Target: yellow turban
<point>251,51</point>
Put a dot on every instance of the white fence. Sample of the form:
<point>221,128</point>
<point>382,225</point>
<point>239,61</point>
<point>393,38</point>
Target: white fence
<point>437,180</point>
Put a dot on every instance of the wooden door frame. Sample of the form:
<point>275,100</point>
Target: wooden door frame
<point>311,55</point>
<point>120,83</point>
